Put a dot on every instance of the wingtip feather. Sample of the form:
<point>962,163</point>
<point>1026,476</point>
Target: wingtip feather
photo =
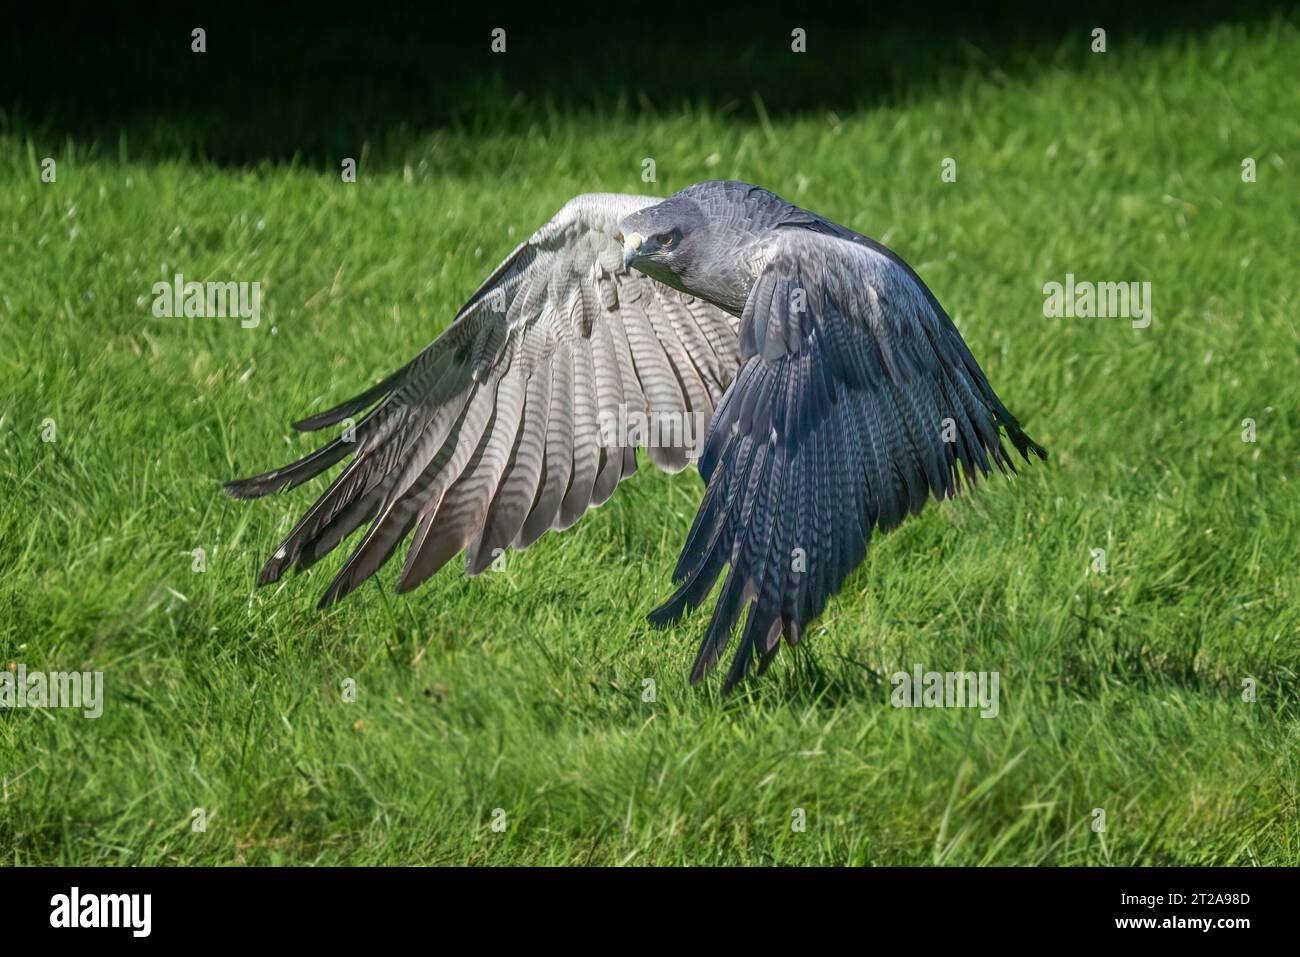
<point>247,488</point>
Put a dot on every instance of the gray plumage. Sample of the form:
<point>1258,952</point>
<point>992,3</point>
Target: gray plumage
<point>854,399</point>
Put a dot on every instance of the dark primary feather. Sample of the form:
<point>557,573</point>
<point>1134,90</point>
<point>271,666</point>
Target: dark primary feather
<point>834,428</point>
<point>491,435</point>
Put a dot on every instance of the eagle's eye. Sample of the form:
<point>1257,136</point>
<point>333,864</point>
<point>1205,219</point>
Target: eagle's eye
<point>665,240</point>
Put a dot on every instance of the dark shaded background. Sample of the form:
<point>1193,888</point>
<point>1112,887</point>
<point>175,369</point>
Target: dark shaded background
<point>310,81</point>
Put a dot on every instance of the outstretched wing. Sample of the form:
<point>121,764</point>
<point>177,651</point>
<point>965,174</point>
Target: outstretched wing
<point>493,434</point>
<point>856,400</point>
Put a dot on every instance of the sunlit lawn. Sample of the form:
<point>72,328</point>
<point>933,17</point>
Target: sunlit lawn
<point>525,690</point>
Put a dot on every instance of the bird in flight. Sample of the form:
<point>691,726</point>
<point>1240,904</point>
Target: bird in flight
<point>837,393</point>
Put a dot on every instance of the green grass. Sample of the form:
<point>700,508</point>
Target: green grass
<point>522,689</point>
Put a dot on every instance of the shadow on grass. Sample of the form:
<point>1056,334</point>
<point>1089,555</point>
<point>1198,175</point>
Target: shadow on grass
<point>315,84</point>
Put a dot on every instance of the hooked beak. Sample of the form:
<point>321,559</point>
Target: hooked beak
<point>631,248</point>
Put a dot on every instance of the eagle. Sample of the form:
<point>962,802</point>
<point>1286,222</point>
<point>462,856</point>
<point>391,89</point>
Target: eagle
<point>819,385</point>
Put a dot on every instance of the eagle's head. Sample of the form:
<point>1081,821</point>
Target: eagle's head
<point>676,243</point>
